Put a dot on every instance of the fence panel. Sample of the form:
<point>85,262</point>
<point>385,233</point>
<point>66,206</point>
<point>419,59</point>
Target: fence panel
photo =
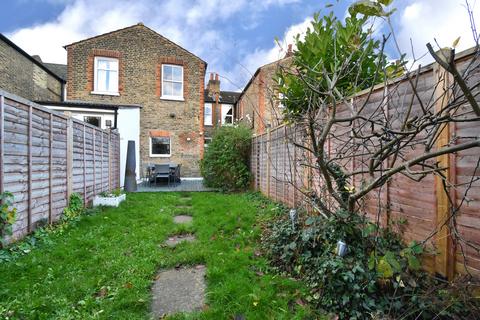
<point>35,163</point>
<point>278,174</point>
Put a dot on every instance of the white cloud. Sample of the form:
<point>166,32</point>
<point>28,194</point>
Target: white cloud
<point>245,68</point>
<point>426,20</point>
<point>187,22</point>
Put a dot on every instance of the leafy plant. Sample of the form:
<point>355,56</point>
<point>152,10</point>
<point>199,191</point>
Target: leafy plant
<point>75,207</point>
<point>378,277</point>
<point>7,216</point>
<point>225,163</point>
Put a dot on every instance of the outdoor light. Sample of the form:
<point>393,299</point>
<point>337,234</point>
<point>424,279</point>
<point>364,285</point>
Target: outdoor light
<point>341,248</point>
<point>293,216</point>
<point>188,139</point>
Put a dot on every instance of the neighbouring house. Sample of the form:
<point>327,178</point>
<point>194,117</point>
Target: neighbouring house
<point>219,107</point>
<point>258,106</point>
<point>44,83</point>
<point>25,76</point>
<point>137,66</point>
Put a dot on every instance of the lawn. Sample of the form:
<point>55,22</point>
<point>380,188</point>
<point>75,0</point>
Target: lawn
<point>103,266</point>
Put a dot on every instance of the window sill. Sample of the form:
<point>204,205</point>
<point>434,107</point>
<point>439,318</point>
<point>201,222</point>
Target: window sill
<point>170,98</point>
<point>160,155</point>
<point>105,93</point>
<point>208,125</point>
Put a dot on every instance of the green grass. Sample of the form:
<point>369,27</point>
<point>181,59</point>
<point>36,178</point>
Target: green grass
<point>104,265</point>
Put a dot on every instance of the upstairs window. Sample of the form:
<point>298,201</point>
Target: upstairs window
<point>106,76</point>
<point>208,120</point>
<point>227,114</point>
<point>172,82</point>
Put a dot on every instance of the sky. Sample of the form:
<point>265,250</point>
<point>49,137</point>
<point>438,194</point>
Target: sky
<point>234,37</point>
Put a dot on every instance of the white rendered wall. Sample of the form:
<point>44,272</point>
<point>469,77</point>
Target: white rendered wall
<point>128,124</point>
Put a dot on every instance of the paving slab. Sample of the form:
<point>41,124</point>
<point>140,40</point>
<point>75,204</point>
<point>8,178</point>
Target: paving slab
<point>174,240</point>
<point>178,290</point>
<point>182,219</point>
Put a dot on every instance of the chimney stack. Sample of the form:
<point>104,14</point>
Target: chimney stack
<point>213,86</point>
<point>289,51</point>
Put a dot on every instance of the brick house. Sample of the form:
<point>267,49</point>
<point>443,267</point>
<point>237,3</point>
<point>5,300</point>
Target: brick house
<point>136,65</point>
<point>219,107</point>
<point>258,105</point>
<point>27,77</point>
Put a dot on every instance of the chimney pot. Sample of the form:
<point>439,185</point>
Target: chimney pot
<point>216,76</point>
<point>211,76</point>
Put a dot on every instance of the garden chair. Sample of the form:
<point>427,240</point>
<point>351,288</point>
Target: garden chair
<point>162,171</point>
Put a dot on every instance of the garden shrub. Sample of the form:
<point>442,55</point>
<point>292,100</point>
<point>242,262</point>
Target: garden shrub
<point>7,216</point>
<point>225,164</point>
<point>379,277</point>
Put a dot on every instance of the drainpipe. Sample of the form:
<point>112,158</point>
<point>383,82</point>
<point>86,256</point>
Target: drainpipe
<point>115,119</point>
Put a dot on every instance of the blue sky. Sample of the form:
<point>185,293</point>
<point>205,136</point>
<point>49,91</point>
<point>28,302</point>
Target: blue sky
<point>235,37</point>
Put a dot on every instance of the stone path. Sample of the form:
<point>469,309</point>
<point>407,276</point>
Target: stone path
<point>182,219</point>
<point>174,240</point>
<point>180,289</point>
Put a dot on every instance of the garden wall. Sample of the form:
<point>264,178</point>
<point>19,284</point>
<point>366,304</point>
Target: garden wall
<point>45,156</point>
<point>277,173</point>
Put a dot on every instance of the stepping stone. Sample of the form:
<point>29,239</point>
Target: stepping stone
<point>174,240</point>
<point>178,290</point>
<point>182,219</point>
<point>184,206</point>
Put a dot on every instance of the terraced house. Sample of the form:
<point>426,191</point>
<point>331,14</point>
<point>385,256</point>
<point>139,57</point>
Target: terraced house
<point>138,66</point>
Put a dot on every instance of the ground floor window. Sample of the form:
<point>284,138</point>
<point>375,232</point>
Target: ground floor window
<point>96,121</point>
<point>160,146</point>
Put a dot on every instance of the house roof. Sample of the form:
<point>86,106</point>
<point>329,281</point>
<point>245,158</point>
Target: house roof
<point>29,57</point>
<point>87,104</point>
<point>141,25</point>
<point>59,69</point>
<point>256,74</point>
<point>229,97</point>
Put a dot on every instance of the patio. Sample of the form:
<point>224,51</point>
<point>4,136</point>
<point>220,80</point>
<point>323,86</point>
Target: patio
<point>190,185</point>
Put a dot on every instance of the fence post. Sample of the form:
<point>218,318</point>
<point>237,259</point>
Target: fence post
<point>69,176</point>
<point>109,160</point>
<point>84,165</point>
<point>2,140</point>
<point>94,132</point>
<point>50,171</point>
<point>445,257</point>
<point>269,149</point>
<point>29,220</point>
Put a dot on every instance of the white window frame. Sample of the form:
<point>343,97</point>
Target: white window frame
<point>95,80</point>
<point>170,97</point>
<point>223,117</point>
<point>209,105</point>
<point>160,155</point>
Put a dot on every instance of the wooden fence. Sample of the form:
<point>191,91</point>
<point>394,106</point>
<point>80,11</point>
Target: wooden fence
<point>275,165</point>
<point>45,156</point>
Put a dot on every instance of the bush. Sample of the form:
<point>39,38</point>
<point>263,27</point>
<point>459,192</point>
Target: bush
<point>225,164</point>
<point>379,277</point>
<point>7,216</point>
<point>75,207</point>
